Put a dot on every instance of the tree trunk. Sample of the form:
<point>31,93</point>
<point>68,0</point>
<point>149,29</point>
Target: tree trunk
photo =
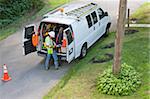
<point>119,36</point>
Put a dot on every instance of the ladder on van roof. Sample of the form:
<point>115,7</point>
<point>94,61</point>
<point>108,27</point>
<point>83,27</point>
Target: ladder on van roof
<point>82,10</point>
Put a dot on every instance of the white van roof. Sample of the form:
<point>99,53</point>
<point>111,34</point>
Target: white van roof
<point>72,12</point>
<point>61,20</point>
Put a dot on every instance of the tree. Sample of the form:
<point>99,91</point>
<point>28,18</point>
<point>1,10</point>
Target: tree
<point>119,36</point>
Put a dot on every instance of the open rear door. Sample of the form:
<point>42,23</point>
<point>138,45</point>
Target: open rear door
<point>28,47</point>
<point>70,45</point>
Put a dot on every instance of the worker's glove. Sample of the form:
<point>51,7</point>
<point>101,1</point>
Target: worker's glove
<point>44,44</point>
<point>50,46</point>
<point>59,45</point>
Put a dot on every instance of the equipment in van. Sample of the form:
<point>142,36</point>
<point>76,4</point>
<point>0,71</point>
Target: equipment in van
<point>83,25</point>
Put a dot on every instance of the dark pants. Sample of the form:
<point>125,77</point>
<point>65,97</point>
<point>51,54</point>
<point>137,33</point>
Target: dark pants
<point>48,57</point>
<point>59,56</point>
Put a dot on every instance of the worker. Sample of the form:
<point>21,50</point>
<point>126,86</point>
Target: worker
<point>51,50</point>
<point>59,39</point>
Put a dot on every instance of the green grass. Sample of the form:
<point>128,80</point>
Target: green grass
<point>142,14</point>
<point>79,82</point>
<point>29,18</point>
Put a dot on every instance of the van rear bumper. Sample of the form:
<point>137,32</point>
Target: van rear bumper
<point>40,53</point>
<point>43,54</point>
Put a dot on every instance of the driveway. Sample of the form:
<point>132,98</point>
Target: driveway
<point>29,79</point>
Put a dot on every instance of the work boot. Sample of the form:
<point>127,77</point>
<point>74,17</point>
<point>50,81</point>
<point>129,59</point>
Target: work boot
<point>59,64</point>
<point>46,67</point>
<point>57,68</point>
<point>59,61</point>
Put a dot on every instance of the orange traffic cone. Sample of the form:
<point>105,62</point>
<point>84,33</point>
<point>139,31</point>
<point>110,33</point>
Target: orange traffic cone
<point>5,76</point>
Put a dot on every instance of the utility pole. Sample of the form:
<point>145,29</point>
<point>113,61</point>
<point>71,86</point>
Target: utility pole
<point>119,36</point>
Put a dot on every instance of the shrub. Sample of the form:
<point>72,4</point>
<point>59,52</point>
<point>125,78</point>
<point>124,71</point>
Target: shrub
<point>11,10</point>
<point>125,83</point>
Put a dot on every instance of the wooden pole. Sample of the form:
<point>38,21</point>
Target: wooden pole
<point>119,36</point>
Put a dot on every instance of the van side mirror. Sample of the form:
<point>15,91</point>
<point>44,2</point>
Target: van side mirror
<point>106,14</point>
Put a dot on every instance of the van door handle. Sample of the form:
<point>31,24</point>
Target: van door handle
<point>94,28</point>
<point>70,51</point>
<point>24,40</point>
<point>99,23</point>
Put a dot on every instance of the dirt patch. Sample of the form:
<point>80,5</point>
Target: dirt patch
<point>110,45</point>
<point>130,31</point>
<point>103,58</point>
<point>148,92</point>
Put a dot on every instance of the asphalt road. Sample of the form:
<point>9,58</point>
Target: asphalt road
<point>29,79</point>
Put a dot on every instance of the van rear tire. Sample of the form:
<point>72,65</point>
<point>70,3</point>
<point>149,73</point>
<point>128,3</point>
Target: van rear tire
<point>106,32</point>
<point>83,51</point>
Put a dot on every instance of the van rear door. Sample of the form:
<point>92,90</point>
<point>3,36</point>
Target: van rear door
<point>70,44</point>
<point>28,47</point>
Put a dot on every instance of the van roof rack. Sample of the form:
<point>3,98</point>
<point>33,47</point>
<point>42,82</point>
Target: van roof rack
<point>82,10</point>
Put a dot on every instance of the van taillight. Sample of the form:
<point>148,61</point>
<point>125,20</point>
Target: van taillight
<point>72,34</point>
<point>64,43</point>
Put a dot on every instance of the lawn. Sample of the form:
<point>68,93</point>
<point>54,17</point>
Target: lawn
<point>30,18</point>
<point>142,14</point>
<point>79,82</point>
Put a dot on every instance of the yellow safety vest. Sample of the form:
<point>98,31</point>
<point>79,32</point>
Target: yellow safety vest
<point>49,45</point>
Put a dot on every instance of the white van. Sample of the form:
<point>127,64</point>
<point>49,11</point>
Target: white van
<point>83,25</point>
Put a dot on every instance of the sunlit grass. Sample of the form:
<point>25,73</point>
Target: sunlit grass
<point>142,14</point>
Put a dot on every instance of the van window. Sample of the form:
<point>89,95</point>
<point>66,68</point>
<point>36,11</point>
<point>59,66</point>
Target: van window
<point>100,13</point>
<point>28,32</point>
<point>69,36</point>
<point>94,16</point>
<point>89,21</point>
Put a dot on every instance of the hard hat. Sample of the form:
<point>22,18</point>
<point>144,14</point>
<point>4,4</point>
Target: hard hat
<point>52,34</point>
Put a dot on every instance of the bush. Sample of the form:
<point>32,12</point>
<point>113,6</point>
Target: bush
<point>11,10</point>
<point>125,83</point>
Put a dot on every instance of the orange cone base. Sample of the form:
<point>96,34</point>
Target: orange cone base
<point>6,79</point>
